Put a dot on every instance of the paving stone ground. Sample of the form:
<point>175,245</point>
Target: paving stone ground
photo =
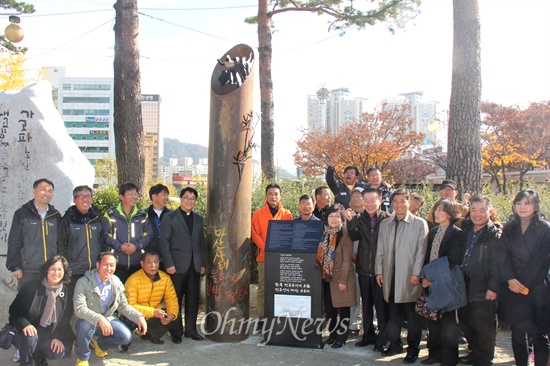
<point>248,352</point>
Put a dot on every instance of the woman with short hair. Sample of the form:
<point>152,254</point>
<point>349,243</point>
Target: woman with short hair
<point>334,260</point>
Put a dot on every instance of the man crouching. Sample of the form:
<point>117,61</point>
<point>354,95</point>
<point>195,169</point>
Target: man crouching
<point>98,295</point>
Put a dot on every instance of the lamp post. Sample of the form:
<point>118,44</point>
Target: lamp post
<point>323,94</point>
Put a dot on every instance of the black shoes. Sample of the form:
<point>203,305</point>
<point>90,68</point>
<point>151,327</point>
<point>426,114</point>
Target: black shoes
<point>195,337</point>
<point>124,348</point>
<point>391,352</point>
<point>176,339</point>
<point>378,348</point>
<point>330,341</point>
<point>468,359</point>
<point>410,359</point>
<point>364,343</point>
<point>338,344</point>
<point>429,361</point>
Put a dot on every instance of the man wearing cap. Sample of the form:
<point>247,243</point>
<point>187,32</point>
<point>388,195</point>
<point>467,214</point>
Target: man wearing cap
<point>342,189</point>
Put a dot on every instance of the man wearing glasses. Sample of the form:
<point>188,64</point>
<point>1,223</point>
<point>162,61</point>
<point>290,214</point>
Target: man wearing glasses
<point>184,252</point>
<point>80,239</point>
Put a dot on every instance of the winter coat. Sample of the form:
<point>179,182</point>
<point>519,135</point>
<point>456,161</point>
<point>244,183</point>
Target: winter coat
<point>32,240</point>
<point>527,259</point>
<point>87,301</point>
<point>28,306</point>
<point>343,272</point>
<point>452,245</point>
<point>178,246</point>
<point>80,239</point>
<point>484,272</point>
<point>408,246</point>
<point>120,229</point>
<point>359,229</point>
<point>342,194</point>
<point>260,223</point>
<point>448,290</point>
<point>154,220</point>
<point>146,294</point>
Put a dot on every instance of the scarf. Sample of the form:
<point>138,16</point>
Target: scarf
<point>434,254</point>
<point>325,253</point>
<point>49,315</point>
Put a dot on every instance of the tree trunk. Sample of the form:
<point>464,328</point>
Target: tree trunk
<point>464,149</point>
<point>128,124</point>
<point>266,90</point>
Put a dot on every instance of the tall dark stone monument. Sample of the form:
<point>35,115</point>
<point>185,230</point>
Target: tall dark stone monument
<point>229,196</point>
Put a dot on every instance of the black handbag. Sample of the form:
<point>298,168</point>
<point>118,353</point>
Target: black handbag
<point>421,307</point>
<point>6,336</point>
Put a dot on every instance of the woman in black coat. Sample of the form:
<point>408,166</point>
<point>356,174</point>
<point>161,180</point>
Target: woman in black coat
<point>525,294</point>
<point>38,310</point>
<point>444,240</point>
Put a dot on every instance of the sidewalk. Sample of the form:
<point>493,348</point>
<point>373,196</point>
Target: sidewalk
<point>248,352</point>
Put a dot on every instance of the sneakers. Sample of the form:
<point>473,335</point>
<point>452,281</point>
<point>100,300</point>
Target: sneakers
<point>16,356</point>
<point>98,351</point>
<point>80,362</point>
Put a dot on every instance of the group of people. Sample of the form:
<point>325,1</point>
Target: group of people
<point>460,260</point>
<point>89,281</point>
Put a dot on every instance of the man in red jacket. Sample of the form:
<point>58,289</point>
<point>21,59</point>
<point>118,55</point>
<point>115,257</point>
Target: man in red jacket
<point>272,210</point>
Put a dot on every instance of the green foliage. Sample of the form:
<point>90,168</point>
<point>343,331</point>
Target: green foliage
<point>106,173</point>
<point>106,198</point>
<point>393,13</point>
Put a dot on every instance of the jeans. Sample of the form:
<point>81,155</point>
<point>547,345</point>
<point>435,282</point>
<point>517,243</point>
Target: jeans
<point>85,331</point>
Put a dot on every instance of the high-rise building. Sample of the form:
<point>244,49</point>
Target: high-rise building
<point>428,119</point>
<point>86,107</point>
<point>150,112</point>
<point>328,110</point>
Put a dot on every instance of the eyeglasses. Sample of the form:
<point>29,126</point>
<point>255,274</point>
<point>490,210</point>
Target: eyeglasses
<point>189,198</point>
<point>84,196</point>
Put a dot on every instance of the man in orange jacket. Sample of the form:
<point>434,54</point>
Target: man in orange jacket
<point>272,210</point>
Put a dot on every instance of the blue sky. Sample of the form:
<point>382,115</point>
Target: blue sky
<point>181,40</point>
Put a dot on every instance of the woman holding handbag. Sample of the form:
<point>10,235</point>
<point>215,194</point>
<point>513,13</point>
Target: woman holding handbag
<point>444,240</point>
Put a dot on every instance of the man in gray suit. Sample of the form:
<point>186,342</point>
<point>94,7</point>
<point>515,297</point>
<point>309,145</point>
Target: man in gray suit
<point>183,251</point>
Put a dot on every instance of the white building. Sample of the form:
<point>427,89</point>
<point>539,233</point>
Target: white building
<point>327,111</point>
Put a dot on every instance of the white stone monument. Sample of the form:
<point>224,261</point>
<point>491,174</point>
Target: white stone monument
<point>34,144</point>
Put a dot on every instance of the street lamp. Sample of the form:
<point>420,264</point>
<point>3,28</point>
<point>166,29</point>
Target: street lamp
<point>323,94</point>
<point>13,32</point>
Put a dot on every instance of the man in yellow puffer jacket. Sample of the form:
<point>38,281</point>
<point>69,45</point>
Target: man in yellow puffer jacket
<point>147,290</point>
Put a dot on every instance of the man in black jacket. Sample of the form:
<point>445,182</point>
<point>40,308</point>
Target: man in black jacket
<point>159,196</point>
<point>480,268</point>
<point>365,229</point>
<point>33,234</point>
<point>80,240</point>
<point>184,252</point>
<point>342,189</point>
